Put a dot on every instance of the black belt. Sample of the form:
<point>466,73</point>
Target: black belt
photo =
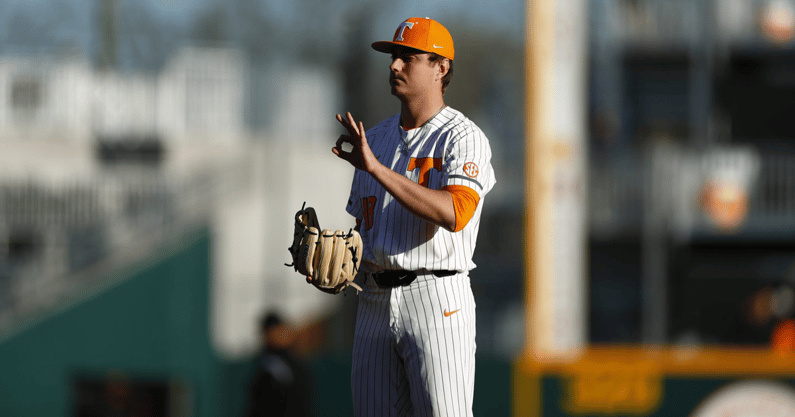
<point>397,278</point>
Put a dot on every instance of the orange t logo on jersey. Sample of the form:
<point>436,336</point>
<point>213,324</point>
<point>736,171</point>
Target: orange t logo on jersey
<point>425,165</point>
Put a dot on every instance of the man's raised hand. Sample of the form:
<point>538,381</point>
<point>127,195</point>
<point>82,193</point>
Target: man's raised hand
<point>361,156</point>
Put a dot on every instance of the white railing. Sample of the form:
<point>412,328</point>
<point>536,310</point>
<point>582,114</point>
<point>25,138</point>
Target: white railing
<point>656,23</point>
<point>81,231</point>
<point>624,191</point>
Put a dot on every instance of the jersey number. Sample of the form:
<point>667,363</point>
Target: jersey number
<point>368,206</point>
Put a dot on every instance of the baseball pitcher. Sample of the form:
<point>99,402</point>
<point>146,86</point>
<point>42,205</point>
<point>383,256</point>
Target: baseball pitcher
<point>417,195</point>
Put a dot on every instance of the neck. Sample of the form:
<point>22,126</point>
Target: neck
<point>415,113</point>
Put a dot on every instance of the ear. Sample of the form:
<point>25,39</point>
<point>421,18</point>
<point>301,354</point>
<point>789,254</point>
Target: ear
<point>443,66</point>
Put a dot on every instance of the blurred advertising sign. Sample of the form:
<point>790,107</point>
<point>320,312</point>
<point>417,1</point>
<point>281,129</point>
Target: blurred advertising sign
<point>729,175</point>
<point>658,382</point>
<point>725,204</point>
<point>777,20</point>
<point>611,388</point>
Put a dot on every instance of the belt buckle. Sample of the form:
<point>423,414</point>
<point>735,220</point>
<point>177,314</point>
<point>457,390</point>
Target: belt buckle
<point>379,278</point>
<point>405,279</point>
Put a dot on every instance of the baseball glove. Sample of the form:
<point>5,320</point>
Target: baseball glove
<point>329,258</point>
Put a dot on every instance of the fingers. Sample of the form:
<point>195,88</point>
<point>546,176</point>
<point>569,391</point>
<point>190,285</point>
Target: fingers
<point>337,149</point>
<point>344,122</point>
<point>350,124</point>
<point>342,139</point>
<point>354,125</point>
<point>341,154</point>
<point>356,137</point>
<point>355,131</point>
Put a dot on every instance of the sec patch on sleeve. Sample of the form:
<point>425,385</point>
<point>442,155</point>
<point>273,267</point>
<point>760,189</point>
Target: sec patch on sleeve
<point>471,170</point>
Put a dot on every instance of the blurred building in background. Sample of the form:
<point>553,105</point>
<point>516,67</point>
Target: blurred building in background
<point>100,166</point>
<point>113,150</point>
<point>117,145</point>
<point>689,143</point>
<point>153,155</point>
<point>692,168</point>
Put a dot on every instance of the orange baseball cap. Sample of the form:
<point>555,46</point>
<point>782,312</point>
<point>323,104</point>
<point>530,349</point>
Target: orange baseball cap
<point>421,33</point>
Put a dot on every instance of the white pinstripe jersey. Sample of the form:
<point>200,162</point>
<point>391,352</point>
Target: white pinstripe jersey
<point>447,150</point>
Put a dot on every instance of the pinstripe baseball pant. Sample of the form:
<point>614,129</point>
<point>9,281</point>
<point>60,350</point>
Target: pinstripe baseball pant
<point>414,348</point>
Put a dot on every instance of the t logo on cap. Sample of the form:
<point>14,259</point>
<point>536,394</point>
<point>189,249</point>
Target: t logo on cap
<point>426,35</point>
<point>401,28</point>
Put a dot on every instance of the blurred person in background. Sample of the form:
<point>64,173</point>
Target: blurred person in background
<point>280,384</point>
<point>767,318</point>
<point>782,305</point>
<point>118,395</point>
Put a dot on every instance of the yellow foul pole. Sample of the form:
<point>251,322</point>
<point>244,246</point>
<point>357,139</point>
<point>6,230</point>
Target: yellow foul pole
<point>555,192</point>
<point>539,170</point>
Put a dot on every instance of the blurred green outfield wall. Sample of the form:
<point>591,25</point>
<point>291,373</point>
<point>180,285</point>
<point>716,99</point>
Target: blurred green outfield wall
<point>153,326</point>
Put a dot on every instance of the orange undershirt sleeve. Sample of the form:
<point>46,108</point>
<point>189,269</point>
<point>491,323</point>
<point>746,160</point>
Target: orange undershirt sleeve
<point>465,201</point>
